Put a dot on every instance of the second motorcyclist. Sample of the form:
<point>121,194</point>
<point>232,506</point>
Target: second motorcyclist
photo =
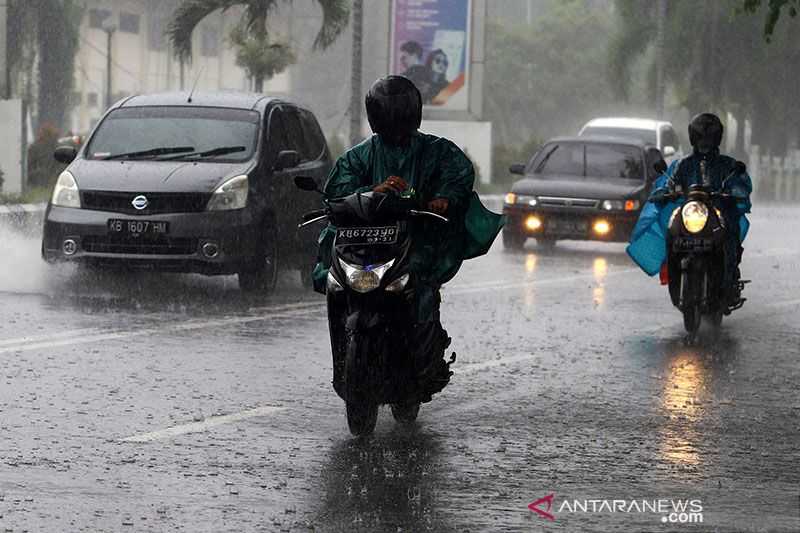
<point>722,174</point>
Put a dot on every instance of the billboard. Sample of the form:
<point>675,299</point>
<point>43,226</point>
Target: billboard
<point>430,46</point>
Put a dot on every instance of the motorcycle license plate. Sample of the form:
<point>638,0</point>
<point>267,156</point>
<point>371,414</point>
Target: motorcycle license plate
<point>136,228</point>
<point>366,236</point>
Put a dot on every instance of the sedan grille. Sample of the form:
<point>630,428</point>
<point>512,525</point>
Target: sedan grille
<point>157,203</point>
<point>557,201</point>
<point>159,246</point>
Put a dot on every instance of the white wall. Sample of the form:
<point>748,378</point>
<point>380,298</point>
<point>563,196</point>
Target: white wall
<point>11,148</point>
<point>475,138</point>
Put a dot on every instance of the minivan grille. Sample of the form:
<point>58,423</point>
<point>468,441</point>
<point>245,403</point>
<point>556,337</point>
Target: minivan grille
<point>157,202</point>
<point>555,201</point>
<point>160,246</point>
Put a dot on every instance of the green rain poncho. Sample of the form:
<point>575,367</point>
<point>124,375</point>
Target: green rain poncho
<point>434,168</point>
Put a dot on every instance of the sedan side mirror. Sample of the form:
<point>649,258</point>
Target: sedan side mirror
<point>287,159</point>
<point>668,151</point>
<point>65,154</point>
<point>305,183</point>
<point>517,168</point>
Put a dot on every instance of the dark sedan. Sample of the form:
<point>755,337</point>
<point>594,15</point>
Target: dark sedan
<point>579,188</point>
<point>190,184</point>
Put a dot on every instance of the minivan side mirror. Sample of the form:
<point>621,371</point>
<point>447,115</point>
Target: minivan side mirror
<point>305,183</point>
<point>517,168</point>
<point>287,159</point>
<point>65,154</point>
<point>668,151</point>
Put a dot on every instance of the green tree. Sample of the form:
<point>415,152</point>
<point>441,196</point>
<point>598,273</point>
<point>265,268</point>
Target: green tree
<point>774,11</point>
<point>43,37</point>
<point>547,78</point>
<point>715,59</point>
<point>257,53</point>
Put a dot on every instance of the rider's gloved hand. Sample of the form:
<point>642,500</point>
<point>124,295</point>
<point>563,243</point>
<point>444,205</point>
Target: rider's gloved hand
<point>393,184</point>
<point>439,205</point>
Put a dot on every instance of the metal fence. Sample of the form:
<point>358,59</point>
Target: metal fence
<point>775,178</point>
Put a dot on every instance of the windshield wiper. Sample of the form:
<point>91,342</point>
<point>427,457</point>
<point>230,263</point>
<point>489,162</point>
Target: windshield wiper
<point>153,152</point>
<point>223,150</point>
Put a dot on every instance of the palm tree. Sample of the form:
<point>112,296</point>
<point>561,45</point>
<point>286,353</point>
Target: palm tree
<point>259,55</point>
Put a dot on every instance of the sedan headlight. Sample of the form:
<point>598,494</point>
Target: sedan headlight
<point>695,216</point>
<point>65,193</point>
<point>367,278</point>
<point>521,199</point>
<point>613,205</point>
<point>230,195</point>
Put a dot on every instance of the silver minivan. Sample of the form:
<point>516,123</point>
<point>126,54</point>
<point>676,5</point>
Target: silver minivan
<point>655,132</point>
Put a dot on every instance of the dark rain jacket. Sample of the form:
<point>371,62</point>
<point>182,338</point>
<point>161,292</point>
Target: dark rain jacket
<point>647,246</point>
<point>433,167</point>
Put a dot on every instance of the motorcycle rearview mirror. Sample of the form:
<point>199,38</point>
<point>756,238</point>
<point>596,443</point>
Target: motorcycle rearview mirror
<point>306,183</point>
<point>660,166</point>
<point>740,167</point>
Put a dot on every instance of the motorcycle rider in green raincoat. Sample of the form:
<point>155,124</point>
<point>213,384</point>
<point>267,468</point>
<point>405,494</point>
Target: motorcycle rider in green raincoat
<point>401,160</point>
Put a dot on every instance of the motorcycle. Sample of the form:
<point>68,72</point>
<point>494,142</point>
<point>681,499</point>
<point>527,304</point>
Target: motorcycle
<point>696,241</point>
<point>370,293</point>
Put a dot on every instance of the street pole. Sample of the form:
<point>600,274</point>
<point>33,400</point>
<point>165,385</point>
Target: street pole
<point>5,71</point>
<point>355,75</point>
<point>109,29</point>
<point>661,17</point>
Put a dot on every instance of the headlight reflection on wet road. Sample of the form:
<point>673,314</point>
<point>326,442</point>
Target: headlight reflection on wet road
<point>684,391</point>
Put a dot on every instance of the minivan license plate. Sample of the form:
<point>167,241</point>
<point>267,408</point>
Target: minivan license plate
<point>137,227</point>
<point>363,236</point>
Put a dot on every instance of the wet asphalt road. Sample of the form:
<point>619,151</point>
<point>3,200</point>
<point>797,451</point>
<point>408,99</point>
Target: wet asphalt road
<point>167,403</point>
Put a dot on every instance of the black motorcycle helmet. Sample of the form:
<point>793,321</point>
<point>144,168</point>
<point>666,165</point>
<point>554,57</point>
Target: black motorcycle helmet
<point>705,132</point>
<point>394,109</point>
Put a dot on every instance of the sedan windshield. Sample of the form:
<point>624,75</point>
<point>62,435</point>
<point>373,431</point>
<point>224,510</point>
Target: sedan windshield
<point>636,134</point>
<point>162,133</point>
<point>595,160</point>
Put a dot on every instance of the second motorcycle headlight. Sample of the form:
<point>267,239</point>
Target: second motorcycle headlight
<point>365,279</point>
<point>695,216</point>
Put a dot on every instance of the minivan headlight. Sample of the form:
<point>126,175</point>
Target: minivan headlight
<point>695,216</point>
<point>230,195</point>
<point>66,193</point>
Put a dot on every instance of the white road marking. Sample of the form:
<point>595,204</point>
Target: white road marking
<point>288,311</point>
<point>204,425</point>
<point>74,337</point>
<point>471,368</point>
<point>49,336</point>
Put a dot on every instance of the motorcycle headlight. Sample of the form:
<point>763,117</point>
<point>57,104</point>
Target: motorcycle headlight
<point>66,193</point>
<point>695,216</point>
<point>230,195</point>
<point>367,278</point>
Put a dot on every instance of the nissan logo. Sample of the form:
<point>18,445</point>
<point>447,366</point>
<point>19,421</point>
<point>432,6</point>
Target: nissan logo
<point>140,202</point>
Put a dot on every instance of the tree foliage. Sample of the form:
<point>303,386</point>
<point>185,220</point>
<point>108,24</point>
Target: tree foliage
<point>257,53</point>
<point>43,38</point>
<point>774,11</point>
<point>547,78</point>
<point>715,59</point>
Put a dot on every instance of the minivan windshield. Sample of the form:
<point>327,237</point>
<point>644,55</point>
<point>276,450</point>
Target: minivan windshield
<point>176,132</point>
<point>637,134</point>
<point>589,159</point>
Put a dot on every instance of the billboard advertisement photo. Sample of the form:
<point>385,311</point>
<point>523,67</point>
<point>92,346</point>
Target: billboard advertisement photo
<point>430,46</point>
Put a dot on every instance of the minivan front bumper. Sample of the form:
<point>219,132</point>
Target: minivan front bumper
<point>212,242</point>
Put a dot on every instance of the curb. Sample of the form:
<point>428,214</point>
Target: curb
<point>25,217</point>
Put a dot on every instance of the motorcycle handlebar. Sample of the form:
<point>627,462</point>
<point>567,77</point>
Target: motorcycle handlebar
<point>415,212</point>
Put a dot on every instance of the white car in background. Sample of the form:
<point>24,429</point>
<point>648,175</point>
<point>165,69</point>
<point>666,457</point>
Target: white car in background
<point>655,132</point>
